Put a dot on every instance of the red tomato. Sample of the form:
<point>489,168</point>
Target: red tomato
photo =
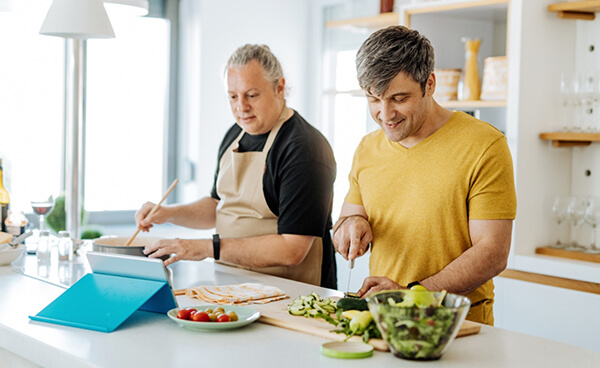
<point>223,318</point>
<point>185,313</point>
<point>200,316</point>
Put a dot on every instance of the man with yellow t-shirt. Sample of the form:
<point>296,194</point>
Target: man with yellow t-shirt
<point>433,190</point>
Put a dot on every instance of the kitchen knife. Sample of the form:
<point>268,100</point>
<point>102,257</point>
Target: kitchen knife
<point>349,276</point>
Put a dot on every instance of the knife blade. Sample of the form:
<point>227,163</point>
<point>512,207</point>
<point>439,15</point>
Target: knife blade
<point>351,264</point>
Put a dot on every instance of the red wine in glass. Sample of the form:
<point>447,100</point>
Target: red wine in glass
<point>42,208</point>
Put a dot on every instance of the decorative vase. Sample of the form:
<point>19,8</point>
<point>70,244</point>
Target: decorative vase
<point>469,88</point>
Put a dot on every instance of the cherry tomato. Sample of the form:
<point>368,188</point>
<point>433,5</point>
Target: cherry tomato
<point>200,316</point>
<point>185,313</point>
<point>223,318</point>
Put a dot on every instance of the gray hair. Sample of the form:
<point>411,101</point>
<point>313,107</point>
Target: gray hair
<point>261,53</point>
<point>390,51</point>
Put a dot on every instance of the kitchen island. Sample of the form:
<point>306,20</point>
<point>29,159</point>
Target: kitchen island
<point>153,340</point>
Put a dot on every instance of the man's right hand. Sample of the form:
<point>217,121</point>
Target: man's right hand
<point>352,233</point>
<point>144,221</point>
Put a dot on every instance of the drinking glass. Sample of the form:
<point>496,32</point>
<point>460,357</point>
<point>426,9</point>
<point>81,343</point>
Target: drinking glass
<point>566,104</point>
<point>576,213</point>
<point>592,217</point>
<point>559,213</point>
<point>42,207</point>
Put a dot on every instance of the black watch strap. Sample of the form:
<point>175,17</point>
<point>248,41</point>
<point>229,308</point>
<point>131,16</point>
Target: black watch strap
<point>216,247</point>
<point>414,283</point>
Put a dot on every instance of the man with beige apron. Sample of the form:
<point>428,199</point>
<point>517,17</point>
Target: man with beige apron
<point>273,190</point>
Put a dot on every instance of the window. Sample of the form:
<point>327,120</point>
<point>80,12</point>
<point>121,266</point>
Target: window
<point>127,100</point>
<point>31,105</point>
<point>127,111</point>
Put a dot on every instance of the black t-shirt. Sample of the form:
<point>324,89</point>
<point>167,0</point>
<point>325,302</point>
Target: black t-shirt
<point>297,183</point>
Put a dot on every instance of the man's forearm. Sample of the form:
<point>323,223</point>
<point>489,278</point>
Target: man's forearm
<point>197,215</point>
<point>266,250</point>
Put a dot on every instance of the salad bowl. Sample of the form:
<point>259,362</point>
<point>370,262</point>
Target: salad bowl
<point>415,330</point>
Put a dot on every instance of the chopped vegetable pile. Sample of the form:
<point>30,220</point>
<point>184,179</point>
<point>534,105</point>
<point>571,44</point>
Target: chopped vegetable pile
<point>350,322</point>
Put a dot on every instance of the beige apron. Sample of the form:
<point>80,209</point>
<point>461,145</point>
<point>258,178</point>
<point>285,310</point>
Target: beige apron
<point>243,211</point>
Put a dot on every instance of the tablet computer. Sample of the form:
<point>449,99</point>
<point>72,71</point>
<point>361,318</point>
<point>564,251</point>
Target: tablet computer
<point>128,266</point>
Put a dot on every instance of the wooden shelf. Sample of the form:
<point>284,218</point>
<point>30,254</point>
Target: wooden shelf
<point>560,139</point>
<point>582,10</point>
<point>568,254</point>
<point>366,23</point>
<point>478,104</point>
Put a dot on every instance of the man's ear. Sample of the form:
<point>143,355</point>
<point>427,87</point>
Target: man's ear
<point>280,86</point>
<point>430,85</point>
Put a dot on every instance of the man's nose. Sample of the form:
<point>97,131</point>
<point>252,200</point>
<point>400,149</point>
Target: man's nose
<point>387,112</point>
<point>242,104</point>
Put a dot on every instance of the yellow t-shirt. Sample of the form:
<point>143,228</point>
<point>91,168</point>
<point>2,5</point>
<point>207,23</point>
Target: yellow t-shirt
<point>419,200</point>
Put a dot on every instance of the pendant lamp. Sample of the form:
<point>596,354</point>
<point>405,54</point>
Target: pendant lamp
<point>80,19</point>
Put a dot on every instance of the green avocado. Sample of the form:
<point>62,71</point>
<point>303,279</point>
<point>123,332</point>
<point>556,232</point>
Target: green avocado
<point>352,304</point>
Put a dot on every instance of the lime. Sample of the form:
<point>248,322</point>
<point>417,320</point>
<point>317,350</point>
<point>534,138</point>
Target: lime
<point>418,288</point>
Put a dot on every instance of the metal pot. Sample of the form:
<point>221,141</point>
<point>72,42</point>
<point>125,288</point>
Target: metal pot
<point>114,244</point>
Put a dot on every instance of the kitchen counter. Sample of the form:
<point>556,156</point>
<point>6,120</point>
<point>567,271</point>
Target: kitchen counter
<point>153,340</point>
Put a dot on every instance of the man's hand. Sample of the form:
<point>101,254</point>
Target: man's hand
<point>144,221</point>
<point>180,249</point>
<point>373,284</point>
<point>352,238</point>
<point>352,233</point>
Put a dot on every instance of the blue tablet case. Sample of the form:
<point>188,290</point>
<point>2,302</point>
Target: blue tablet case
<point>102,302</point>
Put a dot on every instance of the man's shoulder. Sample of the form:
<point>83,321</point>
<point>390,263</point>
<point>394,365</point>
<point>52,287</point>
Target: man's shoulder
<point>297,133</point>
<point>472,126</point>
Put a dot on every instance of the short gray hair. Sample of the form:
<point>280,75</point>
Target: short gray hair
<point>261,53</point>
<point>390,51</point>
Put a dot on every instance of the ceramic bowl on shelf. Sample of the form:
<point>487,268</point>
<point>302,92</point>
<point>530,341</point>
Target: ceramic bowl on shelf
<point>9,254</point>
<point>418,332</point>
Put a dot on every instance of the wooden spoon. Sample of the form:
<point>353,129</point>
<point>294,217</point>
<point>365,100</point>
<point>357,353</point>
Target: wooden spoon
<point>154,210</point>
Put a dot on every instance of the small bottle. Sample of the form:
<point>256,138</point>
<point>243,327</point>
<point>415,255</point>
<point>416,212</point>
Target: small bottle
<point>65,246</point>
<point>43,248</point>
<point>4,201</point>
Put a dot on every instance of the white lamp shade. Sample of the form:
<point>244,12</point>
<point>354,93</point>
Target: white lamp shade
<point>77,19</point>
<point>126,7</point>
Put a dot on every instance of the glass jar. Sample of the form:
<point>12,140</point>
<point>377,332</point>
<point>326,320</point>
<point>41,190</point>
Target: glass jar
<point>469,86</point>
<point>43,248</point>
<point>65,246</point>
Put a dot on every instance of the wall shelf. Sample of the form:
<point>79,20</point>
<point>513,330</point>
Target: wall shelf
<point>478,104</point>
<point>366,23</point>
<point>560,139</point>
<point>569,254</point>
<point>582,10</point>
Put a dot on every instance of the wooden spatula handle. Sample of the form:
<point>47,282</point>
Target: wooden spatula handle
<point>154,209</point>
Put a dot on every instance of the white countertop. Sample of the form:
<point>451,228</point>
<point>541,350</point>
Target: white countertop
<point>153,340</point>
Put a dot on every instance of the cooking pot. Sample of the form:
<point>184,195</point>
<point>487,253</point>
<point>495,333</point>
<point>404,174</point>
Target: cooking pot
<point>114,244</point>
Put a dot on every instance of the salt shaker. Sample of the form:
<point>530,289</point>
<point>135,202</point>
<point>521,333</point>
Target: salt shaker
<point>43,248</point>
<point>65,246</point>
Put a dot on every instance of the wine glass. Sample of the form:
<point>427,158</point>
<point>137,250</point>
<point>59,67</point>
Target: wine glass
<point>592,217</point>
<point>576,213</point>
<point>42,207</point>
<point>559,212</point>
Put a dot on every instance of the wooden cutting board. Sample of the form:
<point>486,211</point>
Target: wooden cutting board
<point>276,314</point>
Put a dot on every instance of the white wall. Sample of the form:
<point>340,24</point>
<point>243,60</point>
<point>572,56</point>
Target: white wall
<point>210,31</point>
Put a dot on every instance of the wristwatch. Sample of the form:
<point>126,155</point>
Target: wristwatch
<point>216,247</point>
<point>414,283</point>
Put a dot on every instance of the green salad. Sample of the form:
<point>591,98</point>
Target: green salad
<point>417,333</point>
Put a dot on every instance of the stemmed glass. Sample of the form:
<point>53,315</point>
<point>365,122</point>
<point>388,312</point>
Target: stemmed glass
<point>576,212</point>
<point>42,207</point>
<point>559,212</point>
<point>592,217</point>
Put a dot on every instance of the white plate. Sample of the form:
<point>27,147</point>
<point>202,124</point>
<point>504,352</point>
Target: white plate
<point>246,315</point>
